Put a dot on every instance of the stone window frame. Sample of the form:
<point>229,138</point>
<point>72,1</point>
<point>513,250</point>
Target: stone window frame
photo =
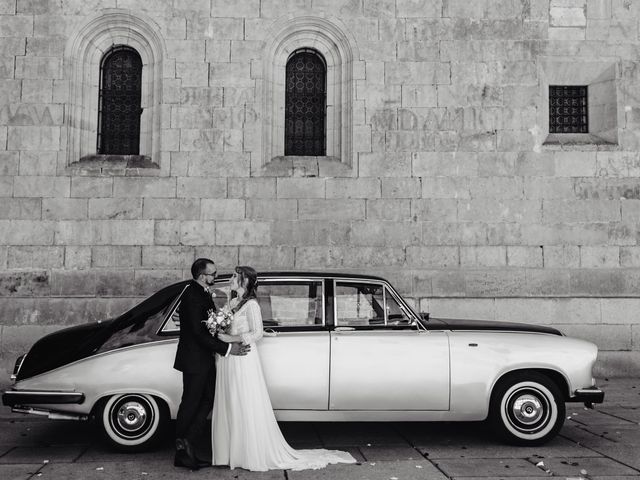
<point>329,39</point>
<point>83,54</point>
<point>602,78</point>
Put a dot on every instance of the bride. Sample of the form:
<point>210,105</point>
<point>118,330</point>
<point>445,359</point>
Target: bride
<point>244,429</point>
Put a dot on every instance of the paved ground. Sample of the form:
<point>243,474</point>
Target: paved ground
<point>594,444</point>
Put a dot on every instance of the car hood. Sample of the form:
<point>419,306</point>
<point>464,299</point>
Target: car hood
<point>462,324</point>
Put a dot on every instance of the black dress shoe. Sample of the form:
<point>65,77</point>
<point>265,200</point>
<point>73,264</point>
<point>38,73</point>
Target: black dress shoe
<point>183,460</point>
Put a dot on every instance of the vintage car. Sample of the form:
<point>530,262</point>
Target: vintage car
<point>339,347</point>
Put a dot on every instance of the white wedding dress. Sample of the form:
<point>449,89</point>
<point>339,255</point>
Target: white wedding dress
<point>243,426</point>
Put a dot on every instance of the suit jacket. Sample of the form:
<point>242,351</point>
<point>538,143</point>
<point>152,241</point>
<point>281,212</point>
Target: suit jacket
<point>196,345</point>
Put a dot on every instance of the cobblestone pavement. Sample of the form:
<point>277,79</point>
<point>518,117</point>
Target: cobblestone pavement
<point>594,444</point>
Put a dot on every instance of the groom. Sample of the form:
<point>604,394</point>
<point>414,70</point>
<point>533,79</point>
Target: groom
<point>195,359</point>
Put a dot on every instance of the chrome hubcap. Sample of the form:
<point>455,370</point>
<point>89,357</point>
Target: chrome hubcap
<point>527,409</point>
<point>131,416</point>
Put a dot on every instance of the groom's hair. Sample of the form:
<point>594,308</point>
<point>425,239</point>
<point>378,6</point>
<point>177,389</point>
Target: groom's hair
<point>199,266</point>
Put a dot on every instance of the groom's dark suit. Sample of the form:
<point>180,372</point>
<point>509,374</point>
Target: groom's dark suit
<point>195,359</point>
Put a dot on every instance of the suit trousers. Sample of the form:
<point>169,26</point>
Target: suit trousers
<point>198,389</point>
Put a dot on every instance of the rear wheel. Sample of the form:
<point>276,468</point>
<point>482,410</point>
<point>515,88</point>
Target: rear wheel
<point>527,408</point>
<point>132,421</point>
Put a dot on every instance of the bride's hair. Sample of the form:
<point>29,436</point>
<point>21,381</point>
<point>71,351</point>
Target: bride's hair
<point>249,274</point>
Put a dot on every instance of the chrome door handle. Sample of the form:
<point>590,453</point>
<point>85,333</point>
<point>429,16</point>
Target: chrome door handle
<point>344,329</point>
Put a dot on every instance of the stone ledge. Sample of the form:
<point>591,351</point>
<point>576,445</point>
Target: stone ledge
<point>577,141</point>
<point>304,166</point>
<point>114,166</point>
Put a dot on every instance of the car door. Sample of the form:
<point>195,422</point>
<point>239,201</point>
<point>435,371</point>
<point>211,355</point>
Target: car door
<point>295,349</point>
<point>380,359</point>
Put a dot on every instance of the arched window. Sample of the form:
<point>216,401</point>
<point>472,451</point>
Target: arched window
<point>305,104</point>
<point>119,106</point>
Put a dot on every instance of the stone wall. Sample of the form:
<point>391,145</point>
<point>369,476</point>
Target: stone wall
<point>442,176</point>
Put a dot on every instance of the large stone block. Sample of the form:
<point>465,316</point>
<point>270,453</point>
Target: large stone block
<point>339,257</point>
<point>116,256</point>
<point>267,209</point>
<point>25,283</point>
<point>115,208</point>
<point>490,210</point>
<point>388,209</point>
<point>192,187</point>
<point>37,91</point>
<point>38,163</point>
<point>26,232</point>
<point>186,50</point>
<point>599,257</point>
<point>166,232</point>
<point>522,256</point>
<point>304,233</point>
<point>390,164</point>
<point>92,187</point>
<point>243,233</point>
<point>64,208</point>
<point>548,188</point>
<point>444,283</point>
<point>41,186</point>
<point>268,258</point>
<point>144,187</point>
<point>228,164</point>
<point>33,138</point>
<point>391,234</point>
<point>148,282</point>
<point>427,164</point>
<point>600,282</point>
<point>171,209</point>
<point>336,210</point>
<point>104,232</point>
<point>483,256</point>
<point>300,188</point>
<point>35,257</point>
<point>16,26</point>
<point>167,257</point>
<point>438,209</point>
<point>217,28</point>
<point>250,188</point>
<point>197,233</point>
<point>401,187</point>
<point>492,283</point>
<point>225,258</point>
<point>547,282</point>
<point>433,257</point>
<point>247,8</point>
<point>417,73</point>
<point>419,8</point>
<point>536,311</point>
<point>230,75</point>
<point>609,337</point>
<point>450,187</point>
<point>620,311</point>
<point>20,208</point>
<point>471,308</point>
<point>567,211</point>
<point>353,188</point>
<point>77,257</point>
<point>223,209</point>
<point>9,164</point>
<point>559,234</point>
<point>575,164</point>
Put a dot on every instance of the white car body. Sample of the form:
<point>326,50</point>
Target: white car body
<point>423,370</point>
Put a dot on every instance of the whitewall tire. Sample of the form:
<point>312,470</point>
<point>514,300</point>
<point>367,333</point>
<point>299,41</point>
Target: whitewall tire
<point>527,408</point>
<point>132,421</point>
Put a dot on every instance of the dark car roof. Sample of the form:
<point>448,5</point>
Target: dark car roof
<point>311,274</point>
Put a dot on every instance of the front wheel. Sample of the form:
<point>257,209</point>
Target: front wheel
<point>527,408</point>
<point>132,421</point>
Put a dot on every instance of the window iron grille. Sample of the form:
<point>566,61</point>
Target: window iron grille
<point>305,104</point>
<point>119,106</point>
<point>568,109</point>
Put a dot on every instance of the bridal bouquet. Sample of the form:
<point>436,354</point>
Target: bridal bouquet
<point>218,321</point>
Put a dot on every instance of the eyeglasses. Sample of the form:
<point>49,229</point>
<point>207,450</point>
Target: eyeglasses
<point>210,274</point>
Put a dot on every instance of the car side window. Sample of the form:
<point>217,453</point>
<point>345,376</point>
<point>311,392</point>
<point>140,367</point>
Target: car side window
<point>359,304</point>
<point>219,298</point>
<point>291,303</point>
<point>366,304</point>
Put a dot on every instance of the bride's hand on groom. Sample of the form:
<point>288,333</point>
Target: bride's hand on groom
<point>239,349</point>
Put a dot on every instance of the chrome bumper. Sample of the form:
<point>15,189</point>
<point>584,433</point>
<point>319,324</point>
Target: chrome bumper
<point>13,398</point>
<point>588,395</point>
